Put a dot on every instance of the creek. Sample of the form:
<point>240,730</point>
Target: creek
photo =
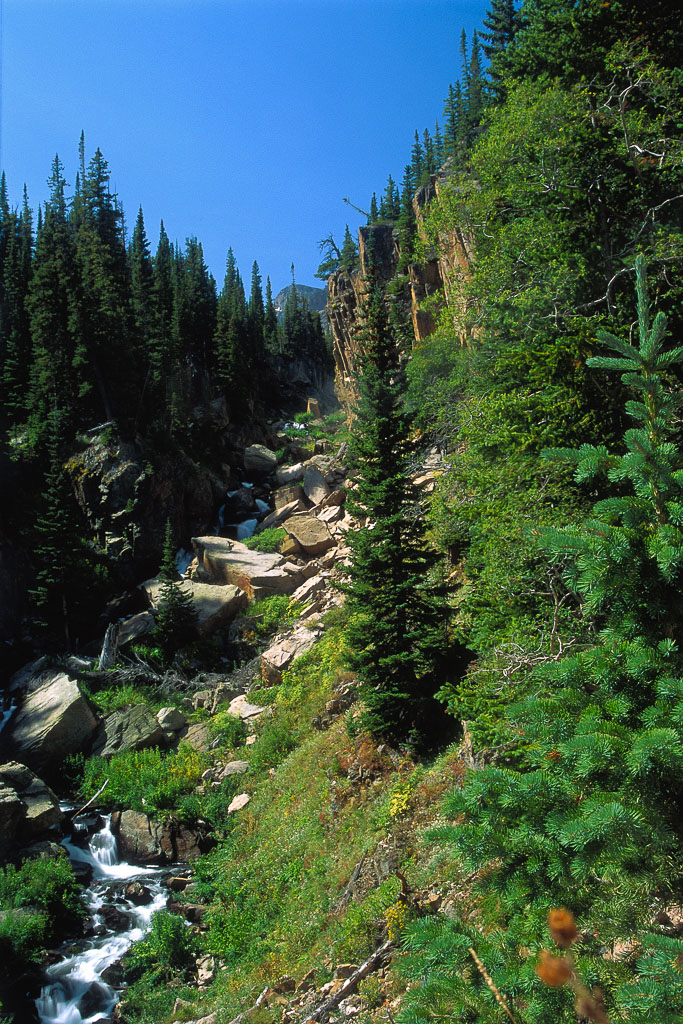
<point>79,988</point>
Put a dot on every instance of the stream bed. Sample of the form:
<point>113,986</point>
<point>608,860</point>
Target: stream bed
<point>76,991</point>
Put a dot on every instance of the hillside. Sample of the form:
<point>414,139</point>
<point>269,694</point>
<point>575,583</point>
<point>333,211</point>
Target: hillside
<point>405,740</point>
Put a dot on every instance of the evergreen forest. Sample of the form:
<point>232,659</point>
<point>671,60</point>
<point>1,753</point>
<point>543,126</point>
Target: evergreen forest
<point>432,758</point>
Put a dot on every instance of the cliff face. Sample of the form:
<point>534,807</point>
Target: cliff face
<point>444,273</point>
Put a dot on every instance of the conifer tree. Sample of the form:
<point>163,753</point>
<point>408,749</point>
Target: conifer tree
<point>54,307</point>
<point>270,324</point>
<point>500,22</point>
<point>396,631</point>
<point>176,615</point>
<point>59,550</point>
<point>348,260</point>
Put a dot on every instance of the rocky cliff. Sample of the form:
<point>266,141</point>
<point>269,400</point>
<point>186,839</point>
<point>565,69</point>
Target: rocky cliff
<point>444,273</point>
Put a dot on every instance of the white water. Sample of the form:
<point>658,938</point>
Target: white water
<point>75,986</point>
<point>6,714</point>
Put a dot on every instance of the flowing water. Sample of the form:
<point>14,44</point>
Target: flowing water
<point>75,992</point>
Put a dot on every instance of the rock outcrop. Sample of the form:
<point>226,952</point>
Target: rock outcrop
<point>131,728</point>
<point>215,605</point>
<point>257,573</point>
<point>28,807</point>
<point>144,841</point>
<point>55,719</point>
<point>447,270</point>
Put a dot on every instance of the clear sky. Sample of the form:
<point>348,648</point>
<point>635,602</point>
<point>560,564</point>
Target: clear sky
<point>243,122</point>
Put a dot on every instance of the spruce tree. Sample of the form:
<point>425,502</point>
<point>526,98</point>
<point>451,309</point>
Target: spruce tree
<point>396,631</point>
<point>176,615</point>
<point>348,260</point>
<point>500,22</point>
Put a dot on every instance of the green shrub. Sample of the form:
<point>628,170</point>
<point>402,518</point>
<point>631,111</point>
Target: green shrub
<point>40,902</point>
<point>274,613</point>
<point>168,950</point>
<point>231,730</point>
<point>268,540</point>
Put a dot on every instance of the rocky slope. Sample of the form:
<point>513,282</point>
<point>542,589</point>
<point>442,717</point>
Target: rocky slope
<point>445,273</point>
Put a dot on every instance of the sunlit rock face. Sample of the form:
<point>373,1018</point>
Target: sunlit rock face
<point>447,270</point>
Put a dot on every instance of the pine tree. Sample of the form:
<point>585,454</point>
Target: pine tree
<point>54,308</point>
<point>396,631</point>
<point>176,615</point>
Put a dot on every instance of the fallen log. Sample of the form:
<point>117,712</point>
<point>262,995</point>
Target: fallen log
<point>371,964</point>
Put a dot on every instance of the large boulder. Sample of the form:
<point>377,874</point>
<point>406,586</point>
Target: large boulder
<point>215,605</point>
<point>132,728</point>
<point>239,504</point>
<point>281,513</point>
<point>41,807</point>
<point>55,719</point>
<point>289,474</point>
<point>280,655</point>
<point>312,536</point>
<point>12,812</point>
<point>257,573</point>
<point>259,460</point>
<point>315,488</point>
<point>144,841</point>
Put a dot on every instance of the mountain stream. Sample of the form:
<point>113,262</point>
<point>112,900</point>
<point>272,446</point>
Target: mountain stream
<point>76,991</point>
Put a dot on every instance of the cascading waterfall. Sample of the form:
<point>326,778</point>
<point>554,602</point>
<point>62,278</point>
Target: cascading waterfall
<point>75,992</point>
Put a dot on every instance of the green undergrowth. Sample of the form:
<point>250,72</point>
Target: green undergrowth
<point>40,903</point>
<point>319,802</point>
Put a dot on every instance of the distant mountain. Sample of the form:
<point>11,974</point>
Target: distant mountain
<point>316,298</point>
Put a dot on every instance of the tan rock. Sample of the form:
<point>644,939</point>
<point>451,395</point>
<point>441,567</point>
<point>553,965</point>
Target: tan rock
<point>289,547</point>
<point>312,535</point>
<point>285,495</point>
<point>241,708</point>
<point>278,517</point>
<point>255,572</point>
<point>238,802</point>
<point>280,656</point>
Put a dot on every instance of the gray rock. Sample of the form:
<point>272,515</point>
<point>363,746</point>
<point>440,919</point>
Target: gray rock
<point>215,605</point>
<point>315,488</point>
<point>234,768</point>
<point>12,812</point>
<point>55,719</point>
<point>289,474</point>
<point>171,719</point>
<point>259,460</point>
<point>144,841</point>
<point>41,805</point>
<point>132,728</point>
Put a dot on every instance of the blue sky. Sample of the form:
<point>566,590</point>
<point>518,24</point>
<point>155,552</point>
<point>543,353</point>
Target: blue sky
<point>243,122</point>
